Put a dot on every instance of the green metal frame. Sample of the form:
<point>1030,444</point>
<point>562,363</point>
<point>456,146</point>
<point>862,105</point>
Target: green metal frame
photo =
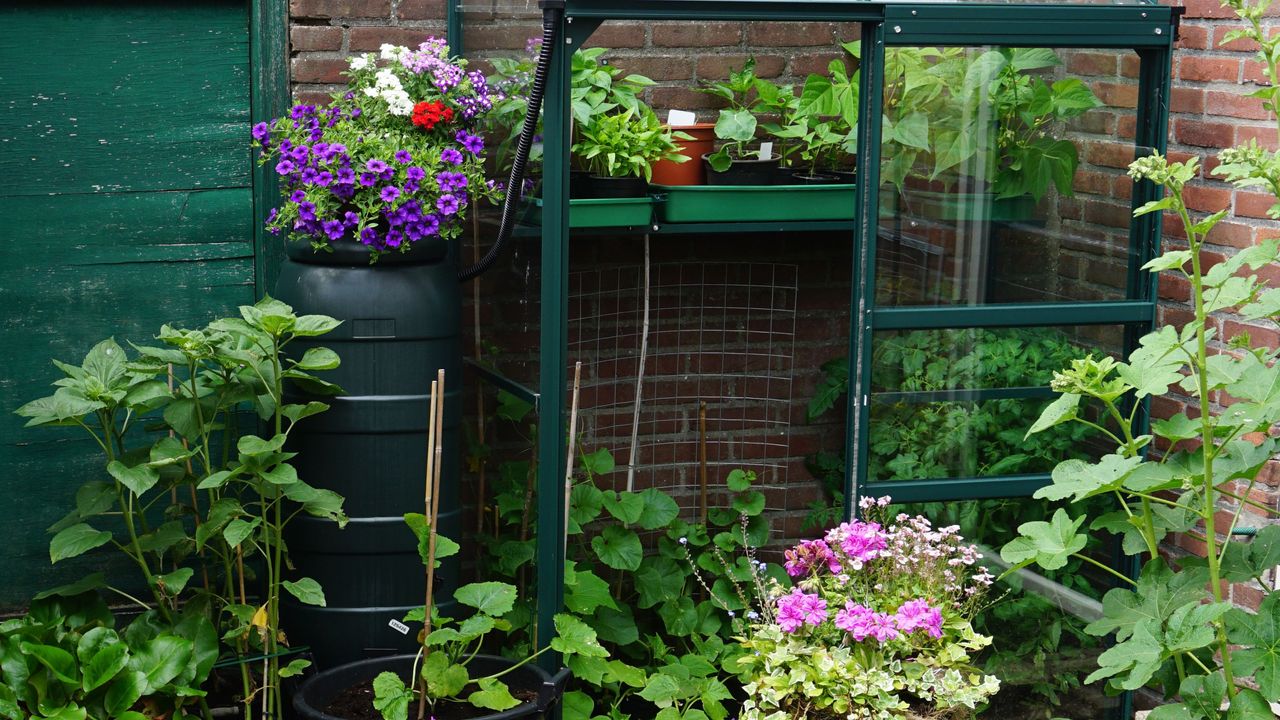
<point>1146,28</point>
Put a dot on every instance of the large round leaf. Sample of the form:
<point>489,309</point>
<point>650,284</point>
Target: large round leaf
<point>618,547</point>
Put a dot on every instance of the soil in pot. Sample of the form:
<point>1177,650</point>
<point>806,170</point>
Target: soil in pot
<point>744,172</point>
<point>356,703</point>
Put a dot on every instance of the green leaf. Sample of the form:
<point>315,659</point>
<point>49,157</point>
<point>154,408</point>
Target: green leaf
<point>1024,59</point>
<point>215,481</point>
<point>588,592</point>
<point>913,130</point>
<point>662,690</point>
<point>1048,544</point>
<point>83,585</point>
<point>574,637</point>
<point>173,583</point>
<point>626,507</point>
<point>749,503</point>
<point>577,705</point>
<point>658,510</point>
<point>1084,480</point>
<point>599,462</point>
<point>59,662</point>
<point>1258,638</point>
<point>740,480</point>
<point>254,446</point>
<point>76,540</point>
<point>282,474</point>
<point>513,408</point>
<point>491,598</point>
<point>444,678</point>
<point>390,696</point>
<point>618,547</point>
<point>138,479</point>
<point>1203,694</point>
<point>616,626</point>
<point>657,580</point>
<point>294,668</point>
<point>125,690</point>
<point>297,412</point>
<point>1134,661</point>
<point>492,695</point>
<point>9,705</point>
<point>736,125</point>
<point>319,358</point>
<point>314,325</point>
<point>104,665</point>
<point>1249,704</point>
<point>1158,594</point>
<point>306,590</point>
<point>161,659</point>
<point>1057,412</point>
<point>239,529</point>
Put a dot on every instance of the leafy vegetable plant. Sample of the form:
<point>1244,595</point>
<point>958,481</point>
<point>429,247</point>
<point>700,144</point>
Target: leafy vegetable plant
<point>172,424</point>
<point>627,144</point>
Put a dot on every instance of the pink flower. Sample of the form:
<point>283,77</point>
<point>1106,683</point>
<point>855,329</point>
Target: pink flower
<point>799,608</point>
<point>861,622</point>
<point>919,615</point>
<point>809,555</point>
<point>859,541</point>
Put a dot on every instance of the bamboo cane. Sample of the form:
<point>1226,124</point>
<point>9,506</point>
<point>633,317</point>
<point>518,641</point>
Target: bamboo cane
<point>429,502</point>
<point>573,435</point>
<point>702,458</point>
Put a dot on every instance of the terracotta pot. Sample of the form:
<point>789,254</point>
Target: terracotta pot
<point>666,172</point>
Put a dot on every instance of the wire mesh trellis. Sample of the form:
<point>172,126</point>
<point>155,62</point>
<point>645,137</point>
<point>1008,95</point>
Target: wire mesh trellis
<point>718,362</point>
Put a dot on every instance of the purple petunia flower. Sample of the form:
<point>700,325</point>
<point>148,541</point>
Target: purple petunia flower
<point>415,173</point>
<point>346,175</point>
<point>389,194</point>
<point>369,236</point>
<point>324,178</point>
<point>403,157</point>
<point>307,210</point>
<point>350,219</point>
<point>284,167</point>
<point>261,132</point>
<point>368,180</point>
<point>451,156</point>
<point>297,196</point>
<point>309,175</point>
<point>375,166</point>
<point>474,144</point>
<point>271,216</point>
<point>394,237</point>
<point>333,228</point>
<point>299,153</point>
<point>447,204</point>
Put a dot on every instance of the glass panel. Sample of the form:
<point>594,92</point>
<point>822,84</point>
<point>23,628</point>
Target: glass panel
<point>1036,618</point>
<point>1003,175</point>
<point>930,416</point>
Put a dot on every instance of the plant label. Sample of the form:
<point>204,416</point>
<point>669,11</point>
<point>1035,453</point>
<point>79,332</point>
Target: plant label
<point>766,150</point>
<point>398,626</point>
<point>681,118</point>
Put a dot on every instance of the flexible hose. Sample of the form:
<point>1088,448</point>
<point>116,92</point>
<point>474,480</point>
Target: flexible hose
<point>515,184</point>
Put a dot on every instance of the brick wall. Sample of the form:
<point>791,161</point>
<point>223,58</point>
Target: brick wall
<point>1086,233</point>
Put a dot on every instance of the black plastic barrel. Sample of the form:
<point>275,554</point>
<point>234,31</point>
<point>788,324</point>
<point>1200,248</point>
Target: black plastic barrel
<point>400,324</point>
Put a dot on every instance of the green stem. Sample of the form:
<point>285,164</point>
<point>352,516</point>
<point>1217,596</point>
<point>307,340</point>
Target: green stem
<point>1107,568</point>
<point>500,673</point>
<point>137,554</point>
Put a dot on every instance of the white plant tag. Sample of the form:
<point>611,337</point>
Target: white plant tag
<point>766,150</point>
<point>398,626</point>
<point>681,118</point>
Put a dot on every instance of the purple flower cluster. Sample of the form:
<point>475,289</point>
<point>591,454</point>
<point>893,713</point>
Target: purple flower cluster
<point>799,608</point>
<point>861,622</point>
<point>860,542</point>
<point>809,555</point>
<point>432,59</point>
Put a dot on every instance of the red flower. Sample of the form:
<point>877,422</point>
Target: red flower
<point>427,115</point>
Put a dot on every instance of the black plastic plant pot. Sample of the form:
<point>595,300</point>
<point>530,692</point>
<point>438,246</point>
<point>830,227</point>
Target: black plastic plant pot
<point>744,172</point>
<point>313,699</point>
<point>601,186</point>
<point>803,178</point>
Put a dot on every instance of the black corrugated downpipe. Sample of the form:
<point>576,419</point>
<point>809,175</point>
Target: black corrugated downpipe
<point>551,13</point>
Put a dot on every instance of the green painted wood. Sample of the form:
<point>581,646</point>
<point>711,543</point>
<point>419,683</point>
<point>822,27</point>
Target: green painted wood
<point>269,98</point>
<point>127,205</point>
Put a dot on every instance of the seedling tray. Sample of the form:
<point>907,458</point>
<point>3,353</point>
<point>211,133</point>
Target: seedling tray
<point>754,203</point>
<point>601,212</point>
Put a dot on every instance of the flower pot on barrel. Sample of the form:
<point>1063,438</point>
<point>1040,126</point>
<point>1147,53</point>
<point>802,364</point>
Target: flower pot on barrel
<point>375,187</point>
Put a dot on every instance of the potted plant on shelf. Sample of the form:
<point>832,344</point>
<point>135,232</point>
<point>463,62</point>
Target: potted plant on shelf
<point>620,150</point>
<point>736,125</point>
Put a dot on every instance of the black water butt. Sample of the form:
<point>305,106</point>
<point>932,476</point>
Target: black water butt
<point>400,323</point>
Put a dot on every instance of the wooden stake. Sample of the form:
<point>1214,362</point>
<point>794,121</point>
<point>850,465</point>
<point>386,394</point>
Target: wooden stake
<point>573,436</point>
<point>428,508</point>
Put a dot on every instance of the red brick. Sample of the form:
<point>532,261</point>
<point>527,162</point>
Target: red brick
<point>1254,72</point>
<point>618,35</point>
<point>698,35</point>
<point>1203,134</point>
<point>368,39</point>
<point>311,97</point>
<point>1126,127</point>
<point>1187,100</point>
<point>1258,336</point>
<point>818,62</point>
<point>1232,234</point>
<point>1265,135</point>
<point>1232,104</point>
<point>680,98</point>
<point>1196,68</point>
<point>1206,9</point>
<point>305,38</point>
<point>1247,596</point>
<point>1207,199</point>
<point>1092,63</point>
<point>1087,181</point>
<point>790,34</point>
<point>420,10</point>
<point>1253,204</point>
<point>658,67</point>
<point>717,67</point>
<point>1117,95</point>
<point>340,8</point>
<point>1097,122</point>
<point>1193,37</point>
<point>1109,154</point>
<point>1174,287</point>
<point>1108,214</point>
<point>307,69</point>
<point>1238,45</point>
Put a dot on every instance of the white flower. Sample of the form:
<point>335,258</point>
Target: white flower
<point>359,62</point>
<point>398,102</point>
<point>392,52</point>
<point>371,92</point>
<point>386,80</point>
